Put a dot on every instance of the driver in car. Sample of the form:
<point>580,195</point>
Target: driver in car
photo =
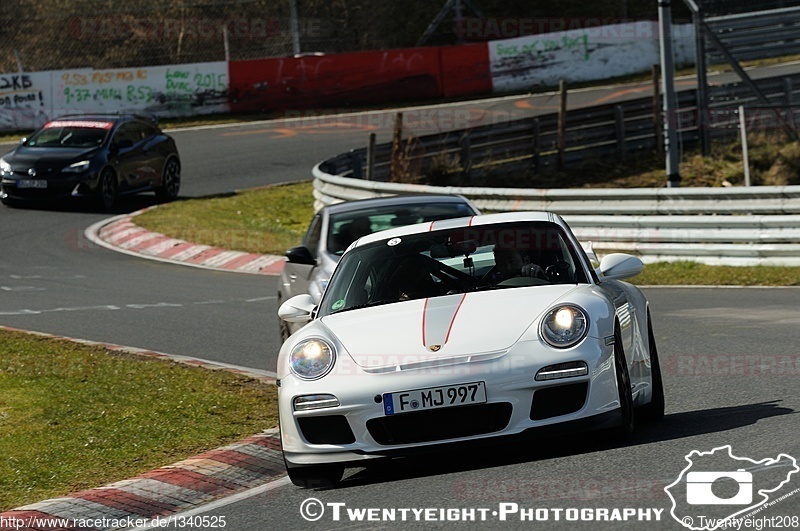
<point>510,263</point>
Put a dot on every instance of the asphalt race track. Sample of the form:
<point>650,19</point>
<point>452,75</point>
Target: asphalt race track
<point>730,356</point>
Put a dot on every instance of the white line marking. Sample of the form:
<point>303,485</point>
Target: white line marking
<point>222,502</point>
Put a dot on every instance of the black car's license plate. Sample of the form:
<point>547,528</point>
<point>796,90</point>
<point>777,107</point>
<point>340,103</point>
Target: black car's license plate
<point>434,397</point>
<point>31,183</point>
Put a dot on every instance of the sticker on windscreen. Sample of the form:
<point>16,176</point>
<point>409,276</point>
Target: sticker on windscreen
<point>393,242</point>
<point>338,305</point>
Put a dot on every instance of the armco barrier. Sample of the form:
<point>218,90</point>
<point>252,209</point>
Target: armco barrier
<point>733,226</point>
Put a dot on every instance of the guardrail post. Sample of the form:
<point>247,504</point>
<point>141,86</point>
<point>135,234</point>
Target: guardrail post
<point>657,125</point>
<point>562,124</point>
<point>788,89</point>
<point>465,154</point>
<point>397,140</point>
<point>619,118</point>
<point>355,163</point>
<point>371,157</point>
<point>535,141</point>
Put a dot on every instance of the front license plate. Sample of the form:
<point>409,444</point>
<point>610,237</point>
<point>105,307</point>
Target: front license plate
<point>31,183</point>
<point>434,397</point>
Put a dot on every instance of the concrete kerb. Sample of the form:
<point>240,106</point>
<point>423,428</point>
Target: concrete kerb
<point>169,490</point>
<point>121,234</point>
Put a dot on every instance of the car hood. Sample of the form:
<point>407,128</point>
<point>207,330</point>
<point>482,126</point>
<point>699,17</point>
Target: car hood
<point>43,158</point>
<point>443,327</point>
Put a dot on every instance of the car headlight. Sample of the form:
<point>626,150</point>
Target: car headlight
<point>78,167</point>
<point>5,168</point>
<point>564,326</point>
<point>312,358</point>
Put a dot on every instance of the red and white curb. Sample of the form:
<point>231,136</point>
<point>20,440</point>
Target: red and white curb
<point>165,491</point>
<point>121,234</point>
<point>159,493</point>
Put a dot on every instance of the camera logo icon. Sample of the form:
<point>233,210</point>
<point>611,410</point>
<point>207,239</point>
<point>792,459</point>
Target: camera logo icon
<point>699,488</point>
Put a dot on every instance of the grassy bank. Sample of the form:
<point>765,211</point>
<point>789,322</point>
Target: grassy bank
<point>74,417</point>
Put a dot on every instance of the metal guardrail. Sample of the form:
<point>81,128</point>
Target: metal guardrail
<point>733,226</point>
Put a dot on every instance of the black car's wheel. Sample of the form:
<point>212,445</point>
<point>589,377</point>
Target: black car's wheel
<point>316,476</point>
<point>654,411</point>
<point>623,386</point>
<point>107,189</point>
<point>170,180</point>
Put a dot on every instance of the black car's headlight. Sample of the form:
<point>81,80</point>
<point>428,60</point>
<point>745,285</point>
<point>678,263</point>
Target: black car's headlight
<point>5,168</point>
<point>312,358</point>
<point>564,326</point>
<point>78,167</point>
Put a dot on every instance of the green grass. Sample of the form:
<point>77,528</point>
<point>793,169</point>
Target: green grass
<point>74,416</point>
<point>694,274</point>
<point>265,220</point>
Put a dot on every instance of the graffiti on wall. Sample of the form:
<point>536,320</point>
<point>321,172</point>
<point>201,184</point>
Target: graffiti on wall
<point>174,90</point>
<point>588,54</point>
<point>21,100</point>
<point>28,100</point>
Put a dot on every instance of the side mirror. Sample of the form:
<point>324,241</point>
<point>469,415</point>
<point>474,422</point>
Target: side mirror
<point>301,255</point>
<point>618,266</point>
<point>298,309</point>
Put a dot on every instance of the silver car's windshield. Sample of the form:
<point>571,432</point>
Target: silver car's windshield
<point>467,259</point>
<point>346,227</point>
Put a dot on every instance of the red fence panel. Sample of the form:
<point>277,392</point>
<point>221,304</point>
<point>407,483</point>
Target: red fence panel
<point>324,81</point>
<point>465,70</point>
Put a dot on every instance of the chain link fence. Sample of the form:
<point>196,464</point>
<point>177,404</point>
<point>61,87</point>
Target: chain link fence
<point>38,35</point>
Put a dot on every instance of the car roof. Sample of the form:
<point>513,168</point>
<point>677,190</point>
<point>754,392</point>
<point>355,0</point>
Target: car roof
<point>472,221</point>
<point>105,117</point>
<point>394,200</point>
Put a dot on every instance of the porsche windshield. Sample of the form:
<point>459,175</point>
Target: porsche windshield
<point>445,262</point>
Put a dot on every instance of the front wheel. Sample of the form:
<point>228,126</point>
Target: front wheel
<point>654,411</point>
<point>170,180</point>
<point>623,386</point>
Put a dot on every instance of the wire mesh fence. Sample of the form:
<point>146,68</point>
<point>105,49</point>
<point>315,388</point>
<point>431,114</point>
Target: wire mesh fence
<point>38,35</point>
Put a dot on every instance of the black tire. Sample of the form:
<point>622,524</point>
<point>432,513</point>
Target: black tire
<point>654,411</point>
<point>107,189</point>
<point>627,420</point>
<point>170,180</point>
<point>315,476</point>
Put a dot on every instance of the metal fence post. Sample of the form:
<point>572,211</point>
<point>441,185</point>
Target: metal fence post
<point>562,124</point>
<point>371,157</point>
<point>397,140</point>
<point>657,125</point>
<point>465,154</point>
<point>619,119</point>
<point>535,140</point>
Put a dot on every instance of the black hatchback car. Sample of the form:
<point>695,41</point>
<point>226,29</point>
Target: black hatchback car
<point>99,156</point>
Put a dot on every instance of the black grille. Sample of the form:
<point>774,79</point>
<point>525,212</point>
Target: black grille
<point>440,424</point>
<point>559,400</point>
<point>328,429</point>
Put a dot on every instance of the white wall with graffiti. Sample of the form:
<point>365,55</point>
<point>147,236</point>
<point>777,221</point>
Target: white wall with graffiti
<point>27,100</point>
<point>589,54</point>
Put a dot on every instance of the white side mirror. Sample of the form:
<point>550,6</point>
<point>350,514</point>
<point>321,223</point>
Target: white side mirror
<point>298,309</point>
<point>619,266</point>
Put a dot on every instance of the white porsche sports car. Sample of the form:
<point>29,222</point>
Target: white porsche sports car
<point>459,330</point>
